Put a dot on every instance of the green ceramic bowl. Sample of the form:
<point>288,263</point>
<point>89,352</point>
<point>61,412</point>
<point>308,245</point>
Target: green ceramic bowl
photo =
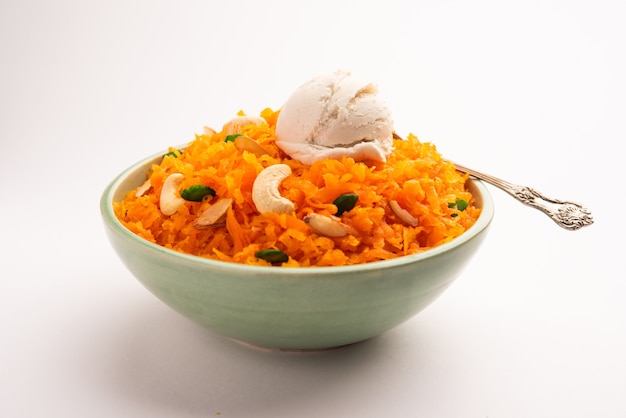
<point>291,308</point>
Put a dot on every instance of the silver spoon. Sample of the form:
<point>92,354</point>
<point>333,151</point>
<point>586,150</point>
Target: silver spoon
<point>569,215</point>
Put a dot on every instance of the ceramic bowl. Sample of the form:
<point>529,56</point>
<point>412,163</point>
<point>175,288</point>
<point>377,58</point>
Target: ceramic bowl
<point>291,308</point>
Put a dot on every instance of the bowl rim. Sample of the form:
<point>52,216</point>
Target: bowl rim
<point>106,210</point>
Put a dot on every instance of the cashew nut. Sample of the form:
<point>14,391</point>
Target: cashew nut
<point>212,214</point>
<point>403,214</point>
<point>143,189</point>
<point>208,131</point>
<point>325,225</point>
<point>246,143</point>
<point>265,193</point>
<point>235,124</point>
<point>170,199</point>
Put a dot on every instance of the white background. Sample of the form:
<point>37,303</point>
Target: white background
<point>531,91</point>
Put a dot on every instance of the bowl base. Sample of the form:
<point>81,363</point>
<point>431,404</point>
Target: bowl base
<point>294,350</point>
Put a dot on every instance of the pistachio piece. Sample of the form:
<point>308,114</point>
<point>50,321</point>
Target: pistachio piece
<point>403,214</point>
<point>272,255</point>
<point>197,192</point>
<point>231,137</point>
<point>325,225</point>
<point>170,201</point>
<point>211,215</point>
<point>345,202</point>
<point>265,193</point>
<point>174,154</point>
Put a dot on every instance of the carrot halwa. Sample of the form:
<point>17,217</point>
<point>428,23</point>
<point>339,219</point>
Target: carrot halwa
<point>415,178</point>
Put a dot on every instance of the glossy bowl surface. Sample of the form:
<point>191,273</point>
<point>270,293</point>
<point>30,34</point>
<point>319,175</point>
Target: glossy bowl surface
<point>291,308</point>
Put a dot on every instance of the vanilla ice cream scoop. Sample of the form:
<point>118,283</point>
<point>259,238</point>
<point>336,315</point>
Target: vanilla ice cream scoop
<point>332,116</point>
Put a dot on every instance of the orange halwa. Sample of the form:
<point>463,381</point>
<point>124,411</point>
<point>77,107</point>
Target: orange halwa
<point>415,175</point>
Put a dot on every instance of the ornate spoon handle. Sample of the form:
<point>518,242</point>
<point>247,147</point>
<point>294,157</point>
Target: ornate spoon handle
<point>569,215</point>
